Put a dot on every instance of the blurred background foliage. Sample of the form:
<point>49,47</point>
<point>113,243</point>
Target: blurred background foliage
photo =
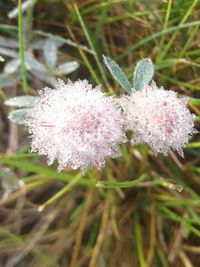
<point>151,214</point>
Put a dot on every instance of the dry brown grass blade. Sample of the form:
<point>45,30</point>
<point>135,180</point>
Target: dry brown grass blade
<point>81,227</point>
<point>101,235</point>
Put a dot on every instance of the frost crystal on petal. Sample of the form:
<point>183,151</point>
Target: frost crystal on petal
<point>76,125</point>
<point>158,118</point>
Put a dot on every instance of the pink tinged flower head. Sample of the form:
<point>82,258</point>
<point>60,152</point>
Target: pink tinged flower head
<point>158,118</point>
<point>76,125</point>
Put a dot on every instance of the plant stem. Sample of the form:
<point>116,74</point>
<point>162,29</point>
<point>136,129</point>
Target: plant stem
<point>21,48</point>
<point>110,184</point>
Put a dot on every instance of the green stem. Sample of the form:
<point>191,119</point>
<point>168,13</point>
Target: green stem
<point>60,193</point>
<point>112,184</point>
<point>138,241</point>
<point>21,48</point>
<point>29,23</point>
<point>89,40</point>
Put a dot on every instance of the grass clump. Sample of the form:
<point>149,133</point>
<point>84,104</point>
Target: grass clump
<point>141,210</point>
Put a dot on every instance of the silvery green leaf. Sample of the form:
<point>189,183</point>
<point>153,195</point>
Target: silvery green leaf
<point>68,67</point>
<point>143,73</point>
<point>32,64</point>
<point>25,5</point>
<point>21,101</point>
<point>8,42</point>
<point>7,80</point>
<point>44,77</point>
<point>59,41</point>
<point>8,52</point>
<point>117,73</point>
<point>12,65</point>
<point>50,53</point>
<point>39,44</point>
<point>18,116</point>
<point>9,181</point>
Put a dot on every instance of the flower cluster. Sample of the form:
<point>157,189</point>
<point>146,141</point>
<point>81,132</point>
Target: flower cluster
<point>79,126</point>
<point>159,118</point>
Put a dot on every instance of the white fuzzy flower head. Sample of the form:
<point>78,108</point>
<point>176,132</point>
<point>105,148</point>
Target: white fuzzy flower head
<point>158,118</point>
<point>76,124</point>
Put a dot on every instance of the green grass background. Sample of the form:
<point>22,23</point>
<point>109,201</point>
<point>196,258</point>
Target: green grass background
<point>145,211</point>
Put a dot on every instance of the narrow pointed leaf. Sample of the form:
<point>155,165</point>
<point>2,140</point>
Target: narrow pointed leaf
<point>50,53</point>
<point>21,101</point>
<point>18,116</point>
<point>143,73</point>
<point>40,43</point>
<point>7,80</point>
<point>12,66</point>
<point>25,5</point>
<point>8,52</point>
<point>8,42</point>
<point>117,73</point>
<point>44,77</point>
<point>68,67</point>
<point>33,64</point>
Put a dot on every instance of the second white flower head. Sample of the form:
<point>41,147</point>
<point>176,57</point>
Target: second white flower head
<point>158,118</point>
